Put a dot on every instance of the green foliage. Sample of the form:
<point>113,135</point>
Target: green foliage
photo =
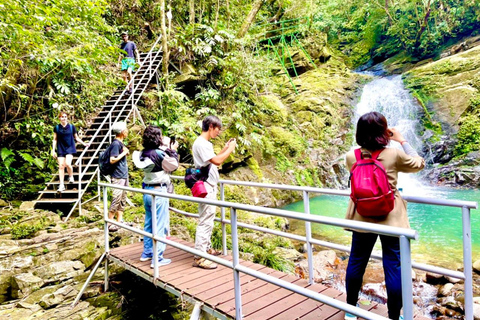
<point>364,29</point>
<point>468,135</point>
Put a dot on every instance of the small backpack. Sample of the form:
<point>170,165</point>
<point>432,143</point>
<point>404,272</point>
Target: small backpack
<point>106,168</point>
<point>370,190</point>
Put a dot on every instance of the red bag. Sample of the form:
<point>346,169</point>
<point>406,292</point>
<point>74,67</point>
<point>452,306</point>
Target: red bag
<point>370,190</point>
<point>198,190</point>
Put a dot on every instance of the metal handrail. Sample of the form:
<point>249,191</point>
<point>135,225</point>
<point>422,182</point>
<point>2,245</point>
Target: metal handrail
<point>405,235</point>
<point>148,59</point>
<point>465,275</point>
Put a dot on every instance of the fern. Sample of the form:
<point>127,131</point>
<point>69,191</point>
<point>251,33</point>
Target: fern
<point>39,163</point>
<point>6,153</point>
<point>26,157</point>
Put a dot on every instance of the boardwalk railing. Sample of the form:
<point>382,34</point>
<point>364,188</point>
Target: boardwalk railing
<point>465,207</point>
<point>404,235</point>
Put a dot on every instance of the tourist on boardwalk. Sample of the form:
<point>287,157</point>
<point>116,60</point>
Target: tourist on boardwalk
<point>64,137</point>
<point>127,60</point>
<point>157,162</point>
<point>119,176</point>
<point>373,135</point>
<point>203,155</point>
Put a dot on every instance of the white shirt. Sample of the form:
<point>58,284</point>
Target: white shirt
<point>202,154</point>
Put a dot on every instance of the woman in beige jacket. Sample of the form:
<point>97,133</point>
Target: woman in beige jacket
<point>373,134</point>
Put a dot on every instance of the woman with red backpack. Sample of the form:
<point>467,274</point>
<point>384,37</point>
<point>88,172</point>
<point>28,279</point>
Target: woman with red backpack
<point>373,136</point>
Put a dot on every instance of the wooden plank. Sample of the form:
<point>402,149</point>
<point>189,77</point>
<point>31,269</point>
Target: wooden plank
<point>323,311</point>
<point>230,296</point>
<point>218,284</point>
<point>305,307</point>
<point>250,293</point>
<point>286,303</point>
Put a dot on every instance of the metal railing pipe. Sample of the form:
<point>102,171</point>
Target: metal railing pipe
<point>222,220</point>
<point>406,277</point>
<point>349,224</point>
<point>467,262</point>
<point>153,211</point>
<point>308,236</point>
<point>236,273</point>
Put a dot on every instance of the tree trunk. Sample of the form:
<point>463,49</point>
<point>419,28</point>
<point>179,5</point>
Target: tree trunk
<point>216,15</point>
<point>166,54</point>
<point>191,10</point>
<point>249,19</point>
<point>228,14</point>
<point>424,24</point>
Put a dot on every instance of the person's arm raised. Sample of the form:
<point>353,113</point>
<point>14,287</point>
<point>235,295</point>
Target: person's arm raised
<point>226,151</point>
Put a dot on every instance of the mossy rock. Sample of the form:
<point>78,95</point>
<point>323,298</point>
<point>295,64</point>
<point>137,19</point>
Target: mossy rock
<point>286,140</point>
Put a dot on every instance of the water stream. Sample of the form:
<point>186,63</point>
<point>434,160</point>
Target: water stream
<point>439,228</point>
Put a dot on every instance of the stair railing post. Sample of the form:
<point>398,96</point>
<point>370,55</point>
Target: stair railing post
<point>467,262</point>
<point>308,235</point>
<point>153,210</point>
<point>236,273</point>
<point>222,219</point>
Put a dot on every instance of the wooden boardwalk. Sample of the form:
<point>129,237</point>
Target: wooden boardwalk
<point>214,288</point>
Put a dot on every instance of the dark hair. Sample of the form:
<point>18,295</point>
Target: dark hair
<point>152,137</point>
<point>372,131</point>
<point>213,121</point>
<point>61,113</point>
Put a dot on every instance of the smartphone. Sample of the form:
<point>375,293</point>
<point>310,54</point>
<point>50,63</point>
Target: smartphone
<point>172,141</point>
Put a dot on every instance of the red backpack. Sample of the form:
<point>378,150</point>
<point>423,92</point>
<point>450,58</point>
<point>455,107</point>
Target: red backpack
<point>370,190</point>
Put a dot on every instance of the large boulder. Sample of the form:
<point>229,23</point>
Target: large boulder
<point>63,294</point>
<point>24,283</point>
<point>60,271</point>
<point>323,264</point>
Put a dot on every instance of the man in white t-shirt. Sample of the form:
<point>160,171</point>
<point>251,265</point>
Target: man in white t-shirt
<point>203,155</point>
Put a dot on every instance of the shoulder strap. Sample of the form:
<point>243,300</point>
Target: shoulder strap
<point>358,154</point>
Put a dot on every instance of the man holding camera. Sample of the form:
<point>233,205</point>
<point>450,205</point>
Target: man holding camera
<point>203,155</point>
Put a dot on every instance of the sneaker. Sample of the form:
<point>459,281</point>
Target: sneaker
<point>349,316</point>
<point>214,252</point>
<point>400,318</point>
<point>144,257</point>
<point>112,228</point>
<point>61,188</point>
<point>162,262</point>
<point>204,263</point>
<point>71,179</point>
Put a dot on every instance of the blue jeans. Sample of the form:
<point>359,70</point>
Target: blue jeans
<point>362,246</point>
<point>163,221</point>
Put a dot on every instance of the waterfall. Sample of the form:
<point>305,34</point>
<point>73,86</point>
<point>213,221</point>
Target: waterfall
<point>388,96</point>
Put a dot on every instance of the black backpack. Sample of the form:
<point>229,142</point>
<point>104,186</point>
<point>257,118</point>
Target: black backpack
<point>106,168</point>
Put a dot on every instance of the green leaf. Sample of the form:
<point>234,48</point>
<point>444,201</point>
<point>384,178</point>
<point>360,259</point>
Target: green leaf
<point>39,163</point>
<point>5,153</point>
<point>26,157</point>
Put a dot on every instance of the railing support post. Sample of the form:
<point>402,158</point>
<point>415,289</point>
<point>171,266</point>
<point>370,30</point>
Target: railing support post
<point>80,188</point>
<point>467,263</point>
<point>222,217</point>
<point>154,234</point>
<point>406,273</point>
<point>236,273</point>
<point>308,235</point>
<point>105,234</point>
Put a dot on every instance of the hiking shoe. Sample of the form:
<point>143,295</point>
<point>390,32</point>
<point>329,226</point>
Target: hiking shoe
<point>71,179</point>
<point>214,252</point>
<point>162,262</point>
<point>145,257</point>
<point>349,316</point>
<point>204,263</point>
<point>61,188</point>
<point>112,228</point>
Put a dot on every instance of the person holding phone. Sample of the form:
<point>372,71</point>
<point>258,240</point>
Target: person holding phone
<point>203,155</point>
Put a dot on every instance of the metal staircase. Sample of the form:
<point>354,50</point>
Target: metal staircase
<point>120,107</point>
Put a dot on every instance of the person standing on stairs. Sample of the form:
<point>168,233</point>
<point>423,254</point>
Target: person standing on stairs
<point>63,148</point>
<point>126,61</point>
<point>203,155</point>
<point>118,158</point>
